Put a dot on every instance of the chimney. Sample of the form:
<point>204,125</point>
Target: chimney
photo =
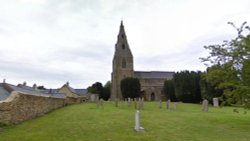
<point>4,80</point>
<point>34,86</point>
<point>24,83</point>
<point>67,83</point>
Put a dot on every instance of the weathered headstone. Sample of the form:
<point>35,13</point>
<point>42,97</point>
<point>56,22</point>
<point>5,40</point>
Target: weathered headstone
<point>216,102</point>
<point>129,102</point>
<point>174,107</point>
<point>137,122</point>
<point>135,102</point>
<point>205,105</point>
<point>101,103</point>
<point>168,104</point>
<point>97,101</point>
<point>142,103</point>
<point>139,104</point>
<point>160,106</point>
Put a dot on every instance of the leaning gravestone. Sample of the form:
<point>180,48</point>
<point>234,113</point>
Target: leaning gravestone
<point>168,104</point>
<point>160,106</point>
<point>137,122</point>
<point>205,105</point>
<point>216,102</point>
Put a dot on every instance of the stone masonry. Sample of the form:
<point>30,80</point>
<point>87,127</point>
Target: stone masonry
<point>19,107</point>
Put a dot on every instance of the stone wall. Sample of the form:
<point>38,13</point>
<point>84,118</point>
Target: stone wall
<point>20,107</point>
<point>153,89</point>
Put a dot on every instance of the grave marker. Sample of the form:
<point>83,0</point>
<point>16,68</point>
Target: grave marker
<point>216,102</point>
<point>205,105</point>
<point>137,122</point>
<point>168,104</point>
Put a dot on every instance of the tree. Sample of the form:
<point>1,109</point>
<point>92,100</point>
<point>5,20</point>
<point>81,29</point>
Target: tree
<point>228,67</point>
<point>41,88</point>
<point>187,86</point>
<point>96,88</point>
<point>106,91</point>
<point>130,87</point>
<point>209,91</point>
<point>169,90</point>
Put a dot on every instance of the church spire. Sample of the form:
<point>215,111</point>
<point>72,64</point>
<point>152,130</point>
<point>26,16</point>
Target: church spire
<point>122,63</point>
<point>122,34</point>
<point>121,23</point>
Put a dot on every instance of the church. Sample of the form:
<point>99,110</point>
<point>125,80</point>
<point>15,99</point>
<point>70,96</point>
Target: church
<point>152,82</point>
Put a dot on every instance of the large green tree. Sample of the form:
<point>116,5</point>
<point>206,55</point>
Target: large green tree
<point>187,86</point>
<point>130,87</point>
<point>96,88</point>
<point>209,91</point>
<point>169,90</point>
<point>229,65</point>
<point>106,91</point>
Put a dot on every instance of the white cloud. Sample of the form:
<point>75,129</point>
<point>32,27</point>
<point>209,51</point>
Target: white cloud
<point>51,42</point>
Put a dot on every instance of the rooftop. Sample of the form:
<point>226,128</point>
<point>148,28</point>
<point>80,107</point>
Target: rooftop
<point>153,74</point>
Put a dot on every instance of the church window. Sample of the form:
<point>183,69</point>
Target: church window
<point>123,46</point>
<point>123,63</point>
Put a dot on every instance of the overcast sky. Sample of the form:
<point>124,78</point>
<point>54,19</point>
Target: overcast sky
<point>50,42</point>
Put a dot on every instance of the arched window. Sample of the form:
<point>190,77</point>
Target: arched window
<point>123,63</point>
<point>123,46</point>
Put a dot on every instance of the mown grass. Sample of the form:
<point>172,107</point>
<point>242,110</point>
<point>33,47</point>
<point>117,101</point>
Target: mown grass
<point>86,122</point>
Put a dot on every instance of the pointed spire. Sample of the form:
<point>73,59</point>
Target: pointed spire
<point>121,23</point>
<point>122,33</point>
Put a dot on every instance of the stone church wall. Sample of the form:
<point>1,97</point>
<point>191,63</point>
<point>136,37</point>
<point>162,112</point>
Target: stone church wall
<point>152,89</point>
<point>20,107</point>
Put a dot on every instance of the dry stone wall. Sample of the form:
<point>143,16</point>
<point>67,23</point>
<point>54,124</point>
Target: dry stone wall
<point>20,107</point>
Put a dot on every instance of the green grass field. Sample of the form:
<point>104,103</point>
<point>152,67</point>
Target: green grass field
<point>86,122</point>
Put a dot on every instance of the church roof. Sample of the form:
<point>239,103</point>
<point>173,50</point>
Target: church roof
<point>153,74</point>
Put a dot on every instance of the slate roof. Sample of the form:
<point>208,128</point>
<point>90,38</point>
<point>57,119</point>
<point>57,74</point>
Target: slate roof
<point>3,93</point>
<point>153,74</point>
<point>79,92</point>
<point>25,89</point>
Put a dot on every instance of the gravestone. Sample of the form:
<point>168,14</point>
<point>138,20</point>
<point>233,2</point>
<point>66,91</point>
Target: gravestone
<point>142,104</point>
<point>129,102</point>
<point>135,102</point>
<point>160,106</point>
<point>139,104</point>
<point>101,103</point>
<point>137,122</point>
<point>205,105</point>
<point>168,104</point>
<point>175,107</point>
<point>216,102</point>
<point>97,101</point>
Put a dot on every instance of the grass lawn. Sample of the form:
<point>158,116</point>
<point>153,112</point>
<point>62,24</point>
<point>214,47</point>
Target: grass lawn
<point>86,122</point>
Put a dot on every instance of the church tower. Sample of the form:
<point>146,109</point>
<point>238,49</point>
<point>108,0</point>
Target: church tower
<point>122,63</point>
